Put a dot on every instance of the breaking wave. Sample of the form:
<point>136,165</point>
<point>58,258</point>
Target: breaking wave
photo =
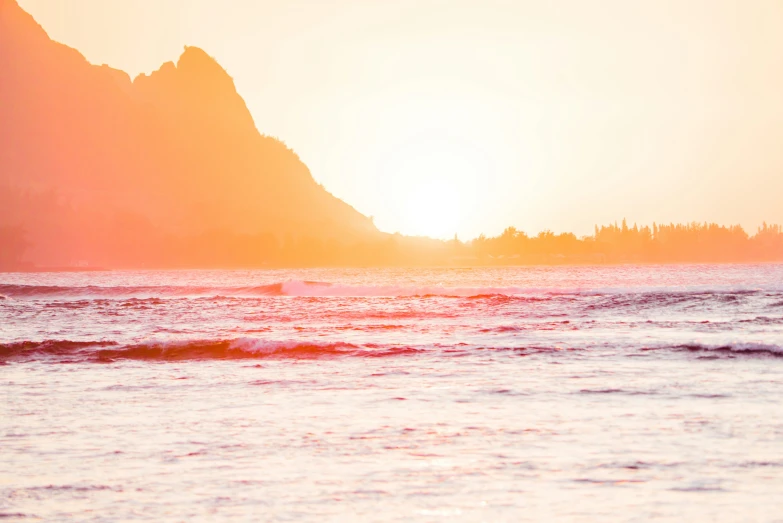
<point>236,349</point>
<point>102,351</point>
<point>297,288</point>
<point>290,288</point>
<point>749,348</point>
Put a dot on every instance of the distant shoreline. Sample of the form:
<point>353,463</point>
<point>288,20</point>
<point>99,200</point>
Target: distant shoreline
<point>36,270</point>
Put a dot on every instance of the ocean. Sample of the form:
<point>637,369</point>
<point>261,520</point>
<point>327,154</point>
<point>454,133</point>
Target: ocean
<point>606,393</point>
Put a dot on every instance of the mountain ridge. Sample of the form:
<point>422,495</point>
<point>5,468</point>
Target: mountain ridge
<point>176,152</point>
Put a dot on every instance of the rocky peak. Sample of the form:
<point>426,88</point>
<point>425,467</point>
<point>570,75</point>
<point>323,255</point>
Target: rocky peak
<point>198,85</point>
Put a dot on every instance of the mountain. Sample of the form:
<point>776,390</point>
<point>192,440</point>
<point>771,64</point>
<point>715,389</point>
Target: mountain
<point>167,169</point>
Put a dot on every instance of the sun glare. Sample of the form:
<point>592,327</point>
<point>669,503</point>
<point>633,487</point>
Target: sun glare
<point>433,209</point>
<point>432,185</point>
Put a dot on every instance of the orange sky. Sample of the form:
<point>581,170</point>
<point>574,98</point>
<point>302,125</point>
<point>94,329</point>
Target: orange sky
<point>464,116</point>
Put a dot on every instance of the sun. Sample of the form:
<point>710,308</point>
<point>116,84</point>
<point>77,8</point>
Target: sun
<point>433,209</point>
<point>431,182</point>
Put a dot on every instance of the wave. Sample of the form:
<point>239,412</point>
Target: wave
<point>749,348</point>
<point>166,291</point>
<point>289,288</point>
<point>745,347</point>
<point>296,288</point>
<point>233,349</point>
<point>103,351</point>
<point>37,349</point>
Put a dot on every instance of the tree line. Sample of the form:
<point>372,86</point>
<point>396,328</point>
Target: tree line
<point>131,244</point>
<point>664,243</point>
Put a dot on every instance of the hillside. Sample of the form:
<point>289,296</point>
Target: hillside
<point>167,169</point>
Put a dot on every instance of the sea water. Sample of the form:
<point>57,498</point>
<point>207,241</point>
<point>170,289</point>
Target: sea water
<point>612,393</point>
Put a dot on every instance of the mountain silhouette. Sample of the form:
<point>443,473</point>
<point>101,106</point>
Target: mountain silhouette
<point>165,169</point>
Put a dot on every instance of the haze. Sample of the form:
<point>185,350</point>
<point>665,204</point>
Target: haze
<point>465,117</point>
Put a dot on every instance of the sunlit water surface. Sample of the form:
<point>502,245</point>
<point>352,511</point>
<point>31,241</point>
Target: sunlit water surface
<point>515,394</point>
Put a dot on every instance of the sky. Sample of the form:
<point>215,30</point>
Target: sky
<point>467,116</point>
